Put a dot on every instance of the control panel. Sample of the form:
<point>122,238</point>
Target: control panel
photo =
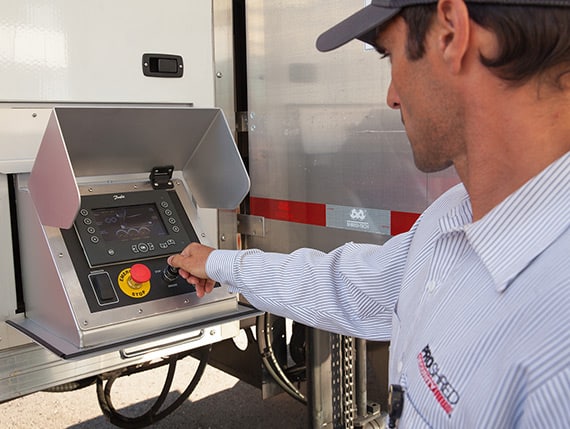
<point>131,226</point>
<point>125,239</point>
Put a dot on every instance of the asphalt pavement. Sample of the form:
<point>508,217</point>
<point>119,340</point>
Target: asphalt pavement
<point>220,401</point>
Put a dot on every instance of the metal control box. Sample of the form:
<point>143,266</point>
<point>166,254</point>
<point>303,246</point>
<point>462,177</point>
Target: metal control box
<point>112,193</point>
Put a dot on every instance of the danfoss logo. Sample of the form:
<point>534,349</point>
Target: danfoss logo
<point>119,197</point>
<point>436,381</point>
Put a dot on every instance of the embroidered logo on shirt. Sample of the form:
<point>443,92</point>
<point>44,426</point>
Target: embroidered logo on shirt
<point>438,383</point>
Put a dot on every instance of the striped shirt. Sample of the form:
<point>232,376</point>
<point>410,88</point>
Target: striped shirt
<point>478,313</point>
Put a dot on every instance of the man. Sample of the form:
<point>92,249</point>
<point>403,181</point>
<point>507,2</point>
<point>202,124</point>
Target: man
<point>475,298</point>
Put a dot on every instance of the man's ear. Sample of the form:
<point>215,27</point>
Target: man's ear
<point>453,32</point>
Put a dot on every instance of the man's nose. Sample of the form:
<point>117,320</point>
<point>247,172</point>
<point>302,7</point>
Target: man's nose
<point>392,98</point>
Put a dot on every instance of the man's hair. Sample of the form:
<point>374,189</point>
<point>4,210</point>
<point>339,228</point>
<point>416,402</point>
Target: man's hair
<point>533,40</point>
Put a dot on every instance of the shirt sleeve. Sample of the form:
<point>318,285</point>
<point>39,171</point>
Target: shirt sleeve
<point>351,291</point>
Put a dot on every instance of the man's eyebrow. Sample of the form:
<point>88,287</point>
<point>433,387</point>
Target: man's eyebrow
<point>378,45</point>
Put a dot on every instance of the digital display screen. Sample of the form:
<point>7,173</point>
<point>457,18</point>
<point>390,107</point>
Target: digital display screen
<point>129,223</point>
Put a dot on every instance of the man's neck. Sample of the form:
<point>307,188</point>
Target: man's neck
<point>511,139</point>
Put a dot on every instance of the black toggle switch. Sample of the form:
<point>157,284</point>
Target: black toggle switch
<point>170,273</point>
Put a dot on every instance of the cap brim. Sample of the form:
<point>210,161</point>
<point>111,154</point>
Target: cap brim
<point>362,25</point>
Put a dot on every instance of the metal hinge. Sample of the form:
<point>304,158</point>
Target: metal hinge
<point>251,225</point>
<point>160,177</point>
<point>241,122</point>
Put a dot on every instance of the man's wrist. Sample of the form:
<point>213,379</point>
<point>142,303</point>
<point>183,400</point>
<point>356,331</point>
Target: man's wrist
<point>220,265</point>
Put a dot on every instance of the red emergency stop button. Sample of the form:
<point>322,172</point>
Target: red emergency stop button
<point>140,273</point>
<point>135,281</point>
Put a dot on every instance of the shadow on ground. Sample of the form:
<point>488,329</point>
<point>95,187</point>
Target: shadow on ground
<point>238,407</point>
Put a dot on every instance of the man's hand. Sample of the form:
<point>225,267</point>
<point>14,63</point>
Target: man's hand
<point>191,263</point>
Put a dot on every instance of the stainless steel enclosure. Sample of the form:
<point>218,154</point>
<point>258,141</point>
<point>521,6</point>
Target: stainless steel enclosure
<point>78,257</point>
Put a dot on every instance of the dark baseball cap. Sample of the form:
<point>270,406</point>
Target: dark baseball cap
<point>363,24</point>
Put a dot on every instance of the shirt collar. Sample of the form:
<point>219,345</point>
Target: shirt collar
<point>458,216</point>
<point>519,229</point>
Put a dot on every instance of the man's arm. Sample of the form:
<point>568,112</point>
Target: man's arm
<point>351,290</point>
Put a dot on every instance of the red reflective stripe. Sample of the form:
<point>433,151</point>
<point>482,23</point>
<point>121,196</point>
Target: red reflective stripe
<point>290,211</point>
<point>315,213</point>
<point>401,221</point>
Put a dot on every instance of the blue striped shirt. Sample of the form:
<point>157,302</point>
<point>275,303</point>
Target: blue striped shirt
<point>477,312</point>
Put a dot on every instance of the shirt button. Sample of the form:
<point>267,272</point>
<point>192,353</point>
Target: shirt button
<point>430,286</point>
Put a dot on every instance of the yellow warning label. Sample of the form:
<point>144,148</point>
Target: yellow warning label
<point>131,288</point>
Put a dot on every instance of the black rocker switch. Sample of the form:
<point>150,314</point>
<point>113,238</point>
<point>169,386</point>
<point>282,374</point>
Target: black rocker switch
<point>103,287</point>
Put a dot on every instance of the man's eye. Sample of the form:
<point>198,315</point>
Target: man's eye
<point>384,55</point>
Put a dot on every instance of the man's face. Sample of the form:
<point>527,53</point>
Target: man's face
<point>428,107</point>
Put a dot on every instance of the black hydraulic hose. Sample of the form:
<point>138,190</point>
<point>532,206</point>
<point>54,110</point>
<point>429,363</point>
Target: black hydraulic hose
<point>263,325</point>
<point>119,419</point>
<point>152,415</point>
<point>71,386</point>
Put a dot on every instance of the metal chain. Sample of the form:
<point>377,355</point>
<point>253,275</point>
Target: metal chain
<point>349,395</point>
<point>342,378</point>
<point>337,382</point>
